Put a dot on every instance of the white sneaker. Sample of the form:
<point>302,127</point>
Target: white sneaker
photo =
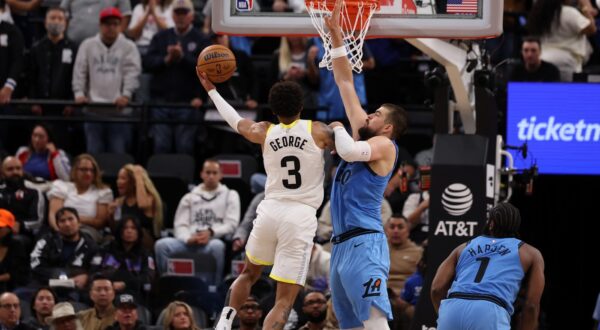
<point>226,319</point>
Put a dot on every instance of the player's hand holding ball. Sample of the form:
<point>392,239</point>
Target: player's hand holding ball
<point>207,84</point>
<point>217,63</point>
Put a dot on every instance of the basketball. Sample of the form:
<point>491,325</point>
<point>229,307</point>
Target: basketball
<point>218,62</point>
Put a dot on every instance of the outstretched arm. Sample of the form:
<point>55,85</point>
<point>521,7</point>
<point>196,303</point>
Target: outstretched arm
<point>342,73</point>
<point>375,148</point>
<point>443,278</point>
<point>251,130</point>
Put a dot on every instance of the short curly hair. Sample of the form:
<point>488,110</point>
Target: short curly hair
<point>286,99</point>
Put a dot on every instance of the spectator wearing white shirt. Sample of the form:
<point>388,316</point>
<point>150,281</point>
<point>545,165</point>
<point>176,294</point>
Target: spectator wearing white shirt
<point>149,17</point>
<point>204,217</point>
<point>563,31</point>
<point>86,193</point>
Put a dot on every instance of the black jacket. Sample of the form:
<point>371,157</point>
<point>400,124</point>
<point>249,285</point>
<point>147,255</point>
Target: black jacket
<point>20,326</point>
<point>46,259</point>
<point>14,263</point>
<point>51,69</point>
<point>138,326</point>
<point>243,85</point>
<point>176,82</point>
<point>26,204</point>
<point>135,267</point>
<point>11,53</point>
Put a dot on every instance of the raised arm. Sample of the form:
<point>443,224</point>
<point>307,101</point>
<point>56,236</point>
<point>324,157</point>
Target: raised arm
<point>444,277</point>
<point>251,130</point>
<point>342,73</point>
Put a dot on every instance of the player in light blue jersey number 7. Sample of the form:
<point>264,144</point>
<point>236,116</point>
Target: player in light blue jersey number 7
<point>480,280</point>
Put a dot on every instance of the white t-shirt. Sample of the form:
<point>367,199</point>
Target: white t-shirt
<point>412,203</point>
<point>84,203</point>
<point>151,28</point>
<point>566,35</point>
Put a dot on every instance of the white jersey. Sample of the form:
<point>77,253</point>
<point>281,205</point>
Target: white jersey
<point>294,164</point>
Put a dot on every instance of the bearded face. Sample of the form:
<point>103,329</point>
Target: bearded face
<point>366,133</point>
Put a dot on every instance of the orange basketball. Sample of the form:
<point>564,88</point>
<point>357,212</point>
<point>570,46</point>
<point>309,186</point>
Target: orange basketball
<point>218,62</point>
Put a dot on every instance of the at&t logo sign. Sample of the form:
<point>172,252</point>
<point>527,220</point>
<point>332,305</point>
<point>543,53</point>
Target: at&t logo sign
<point>457,199</point>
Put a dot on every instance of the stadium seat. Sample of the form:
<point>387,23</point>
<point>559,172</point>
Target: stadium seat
<point>237,170</point>
<point>171,190</point>
<point>175,165</point>
<point>205,265</point>
<point>111,163</point>
<point>144,315</point>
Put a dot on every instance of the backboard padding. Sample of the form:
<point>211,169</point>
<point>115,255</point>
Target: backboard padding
<point>391,21</point>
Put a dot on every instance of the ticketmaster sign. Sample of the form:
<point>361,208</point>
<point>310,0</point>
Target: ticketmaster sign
<point>560,123</point>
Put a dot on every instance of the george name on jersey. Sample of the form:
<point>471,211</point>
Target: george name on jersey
<point>288,141</point>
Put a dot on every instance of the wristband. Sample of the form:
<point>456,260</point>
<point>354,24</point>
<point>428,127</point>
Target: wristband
<point>338,52</point>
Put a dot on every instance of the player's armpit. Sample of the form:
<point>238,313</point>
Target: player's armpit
<point>323,135</point>
<point>253,131</point>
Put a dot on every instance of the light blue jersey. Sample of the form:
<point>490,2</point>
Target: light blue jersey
<point>491,268</point>
<point>356,197</point>
<point>360,259</point>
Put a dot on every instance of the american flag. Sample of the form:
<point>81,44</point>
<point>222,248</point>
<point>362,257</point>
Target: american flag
<point>461,6</point>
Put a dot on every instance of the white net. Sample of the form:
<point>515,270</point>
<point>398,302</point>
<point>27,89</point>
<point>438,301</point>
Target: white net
<point>355,18</point>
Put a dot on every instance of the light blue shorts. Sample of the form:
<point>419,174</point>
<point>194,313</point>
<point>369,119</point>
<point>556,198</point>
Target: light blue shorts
<point>359,273</point>
<point>463,314</point>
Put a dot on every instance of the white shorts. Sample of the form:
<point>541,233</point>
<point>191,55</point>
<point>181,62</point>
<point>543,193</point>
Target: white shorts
<point>282,236</point>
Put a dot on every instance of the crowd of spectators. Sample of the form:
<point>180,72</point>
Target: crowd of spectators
<point>87,253</point>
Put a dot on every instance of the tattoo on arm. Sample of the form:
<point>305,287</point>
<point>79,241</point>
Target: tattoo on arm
<point>285,315</point>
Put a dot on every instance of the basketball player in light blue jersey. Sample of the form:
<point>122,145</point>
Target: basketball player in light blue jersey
<point>360,258</point>
<point>481,278</point>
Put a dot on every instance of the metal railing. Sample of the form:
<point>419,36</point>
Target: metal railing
<point>421,117</point>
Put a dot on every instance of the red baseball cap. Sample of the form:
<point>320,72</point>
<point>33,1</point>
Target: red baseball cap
<point>110,12</point>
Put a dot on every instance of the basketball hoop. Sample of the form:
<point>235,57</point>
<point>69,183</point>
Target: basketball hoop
<point>355,18</point>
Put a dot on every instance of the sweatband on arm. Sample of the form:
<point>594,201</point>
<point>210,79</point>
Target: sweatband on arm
<point>338,52</point>
<point>225,110</point>
<point>348,149</point>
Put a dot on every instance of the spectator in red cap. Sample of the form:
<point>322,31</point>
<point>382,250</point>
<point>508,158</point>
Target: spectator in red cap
<point>83,16</point>
<point>107,70</point>
<point>13,268</point>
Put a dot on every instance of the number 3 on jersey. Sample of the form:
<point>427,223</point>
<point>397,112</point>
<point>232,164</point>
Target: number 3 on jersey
<point>292,163</point>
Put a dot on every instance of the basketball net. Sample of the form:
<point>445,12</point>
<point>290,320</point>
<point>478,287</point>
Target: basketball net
<point>355,18</point>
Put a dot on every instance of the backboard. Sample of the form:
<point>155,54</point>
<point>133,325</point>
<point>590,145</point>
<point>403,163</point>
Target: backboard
<point>459,19</point>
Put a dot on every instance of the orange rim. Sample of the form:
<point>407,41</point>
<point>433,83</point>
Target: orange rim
<point>352,11</point>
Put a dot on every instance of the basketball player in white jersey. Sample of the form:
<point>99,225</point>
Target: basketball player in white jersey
<point>286,221</point>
